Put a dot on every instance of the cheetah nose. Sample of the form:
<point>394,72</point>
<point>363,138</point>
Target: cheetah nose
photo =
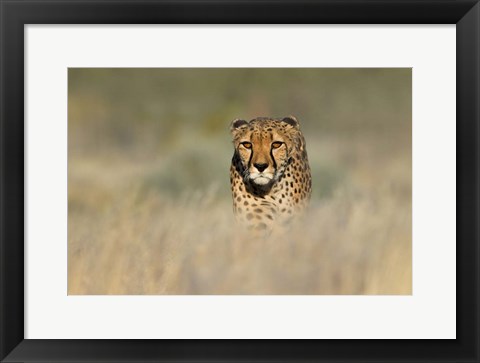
<point>261,167</point>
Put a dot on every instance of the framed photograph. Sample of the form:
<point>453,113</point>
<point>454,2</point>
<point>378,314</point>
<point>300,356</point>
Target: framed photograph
<point>239,181</point>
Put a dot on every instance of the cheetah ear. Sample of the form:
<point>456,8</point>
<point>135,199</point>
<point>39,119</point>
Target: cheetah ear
<point>292,121</point>
<point>237,124</point>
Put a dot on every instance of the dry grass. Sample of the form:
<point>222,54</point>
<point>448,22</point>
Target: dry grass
<point>125,239</point>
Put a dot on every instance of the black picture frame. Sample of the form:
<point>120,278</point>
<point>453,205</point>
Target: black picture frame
<point>15,14</point>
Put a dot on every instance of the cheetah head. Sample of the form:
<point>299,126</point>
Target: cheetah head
<point>263,147</point>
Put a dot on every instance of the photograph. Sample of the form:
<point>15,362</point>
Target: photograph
<point>239,181</point>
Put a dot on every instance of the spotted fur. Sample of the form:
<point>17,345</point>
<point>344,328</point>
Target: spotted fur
<point>269,175</point>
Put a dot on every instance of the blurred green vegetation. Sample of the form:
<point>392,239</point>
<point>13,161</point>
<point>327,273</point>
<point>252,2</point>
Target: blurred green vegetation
<point>147,146</point>
<point>181,116</point>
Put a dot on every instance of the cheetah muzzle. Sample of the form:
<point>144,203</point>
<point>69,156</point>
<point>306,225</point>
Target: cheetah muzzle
<point>270,176</point>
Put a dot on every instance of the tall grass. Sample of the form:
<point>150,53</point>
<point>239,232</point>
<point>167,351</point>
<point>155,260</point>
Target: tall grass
<point>125,239</point>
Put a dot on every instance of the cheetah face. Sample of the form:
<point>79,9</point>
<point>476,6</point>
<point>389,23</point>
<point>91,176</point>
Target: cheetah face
<point>263,147</point>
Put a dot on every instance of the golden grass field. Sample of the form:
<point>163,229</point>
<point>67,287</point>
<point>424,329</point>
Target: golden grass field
<point>150,209</point>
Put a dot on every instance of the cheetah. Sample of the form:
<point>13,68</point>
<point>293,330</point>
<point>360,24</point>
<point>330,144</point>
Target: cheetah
<point>269,175</point>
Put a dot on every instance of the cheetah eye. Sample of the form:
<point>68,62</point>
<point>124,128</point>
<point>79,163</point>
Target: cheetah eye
<point>247,145</point>
<point>276,144</point>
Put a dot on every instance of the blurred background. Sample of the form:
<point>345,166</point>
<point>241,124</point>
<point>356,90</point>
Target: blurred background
<point>149,203</point>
